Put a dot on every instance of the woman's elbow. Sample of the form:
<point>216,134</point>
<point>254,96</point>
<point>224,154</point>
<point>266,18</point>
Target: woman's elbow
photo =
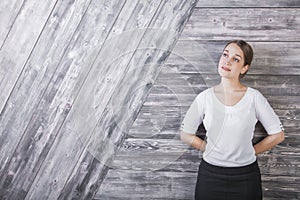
<point>281,137</point>
<point>186,138</point>
<point>182,136</point>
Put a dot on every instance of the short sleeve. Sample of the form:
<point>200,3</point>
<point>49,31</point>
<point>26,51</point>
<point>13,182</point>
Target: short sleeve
<point>266,115</point>
<point>194,116</point>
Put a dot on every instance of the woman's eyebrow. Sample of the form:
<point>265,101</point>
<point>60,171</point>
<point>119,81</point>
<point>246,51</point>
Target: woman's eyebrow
<point>225,50</point>
<point>238,55</point>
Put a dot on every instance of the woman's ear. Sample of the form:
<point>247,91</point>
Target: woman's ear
<point>245,69</point>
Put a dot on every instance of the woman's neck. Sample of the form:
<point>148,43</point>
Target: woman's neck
<point>231,85</point>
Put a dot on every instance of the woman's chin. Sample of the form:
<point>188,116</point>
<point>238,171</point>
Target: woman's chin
<point>223,74</point>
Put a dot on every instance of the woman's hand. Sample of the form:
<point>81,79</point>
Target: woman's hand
<point>269,142</point>
<point>193,141</point>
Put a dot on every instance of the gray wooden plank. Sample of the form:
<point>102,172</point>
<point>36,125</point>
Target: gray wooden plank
<point>257,24</point>
<point>140,11</point>
<point>253,3</point>
<point>8,13</point>
<point>51,112</point>
<point>271,58</point>
<point>144,154</point>
<point>123,106</point>
<point>281,187</point>
<point>35,77</point>
<point>20,42</point>
<point>141,184</point>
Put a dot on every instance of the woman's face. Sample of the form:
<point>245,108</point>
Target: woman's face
<point>231,63</point>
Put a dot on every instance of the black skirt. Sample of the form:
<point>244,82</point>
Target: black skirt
<point>232,183</point>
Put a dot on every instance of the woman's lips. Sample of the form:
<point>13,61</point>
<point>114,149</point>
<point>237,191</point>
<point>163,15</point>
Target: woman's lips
<point>226,69</point>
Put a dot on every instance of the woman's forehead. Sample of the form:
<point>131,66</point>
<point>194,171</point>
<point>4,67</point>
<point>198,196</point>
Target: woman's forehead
<point>234,49</point>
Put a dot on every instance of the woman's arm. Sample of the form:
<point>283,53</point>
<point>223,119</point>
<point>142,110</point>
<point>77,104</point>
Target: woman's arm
<point>269,142</point>
<point>193,141</point>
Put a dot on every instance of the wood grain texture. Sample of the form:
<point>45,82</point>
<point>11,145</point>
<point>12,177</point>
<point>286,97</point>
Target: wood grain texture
<point>128,97</point>
<point>69,143</point>
<point>57,100</point>
<point>147,185</point>
<point>8,12</point>
<point>51,113</point>
<point>23,115</point>
<point>20,42</point>
<point>253,3</point>
<point>253,24</point>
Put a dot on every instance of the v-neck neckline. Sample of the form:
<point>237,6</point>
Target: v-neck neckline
<point>230,106</point>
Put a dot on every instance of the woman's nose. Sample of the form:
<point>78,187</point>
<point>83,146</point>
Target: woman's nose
<point>228,61</point>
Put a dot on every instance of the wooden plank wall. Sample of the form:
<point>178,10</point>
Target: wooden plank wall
<point>73,77</point>
<point>153,163</point>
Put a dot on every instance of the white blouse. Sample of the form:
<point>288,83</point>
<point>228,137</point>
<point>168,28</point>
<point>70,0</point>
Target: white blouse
<point>230,129</point>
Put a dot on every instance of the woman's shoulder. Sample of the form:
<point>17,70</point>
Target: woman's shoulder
<point>202,96</point>
<point>258,97</point>
<point>205,92</point>
<point>254,91</point>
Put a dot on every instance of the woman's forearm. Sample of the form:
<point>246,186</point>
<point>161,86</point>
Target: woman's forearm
<point>268,143</point>
<point>193,141</point>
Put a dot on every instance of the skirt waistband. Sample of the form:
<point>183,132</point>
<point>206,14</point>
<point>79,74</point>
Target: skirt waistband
<point>253,167</point>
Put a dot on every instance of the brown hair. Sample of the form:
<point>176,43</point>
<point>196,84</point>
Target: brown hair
<point>247,50</point>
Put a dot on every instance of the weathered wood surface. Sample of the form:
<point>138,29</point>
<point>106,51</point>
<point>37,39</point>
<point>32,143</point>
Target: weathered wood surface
<point>70,145</point>
<point>148,185</point>
<point>91,52</point>
<point>253,3</point>
<point>23,114</point>
<point>20,43</point>
<point>8,12</point>
<point>59,96</point>
<point>251,24</point>
<point>37,74</point>
<point>126,100</point>
<point>280,187</point>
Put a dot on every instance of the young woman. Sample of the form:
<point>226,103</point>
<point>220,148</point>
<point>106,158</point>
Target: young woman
<point>229,112</point>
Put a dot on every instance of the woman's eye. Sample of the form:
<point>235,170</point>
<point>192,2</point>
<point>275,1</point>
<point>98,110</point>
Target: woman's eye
<point>225,54</point>
<point>236,60</point>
